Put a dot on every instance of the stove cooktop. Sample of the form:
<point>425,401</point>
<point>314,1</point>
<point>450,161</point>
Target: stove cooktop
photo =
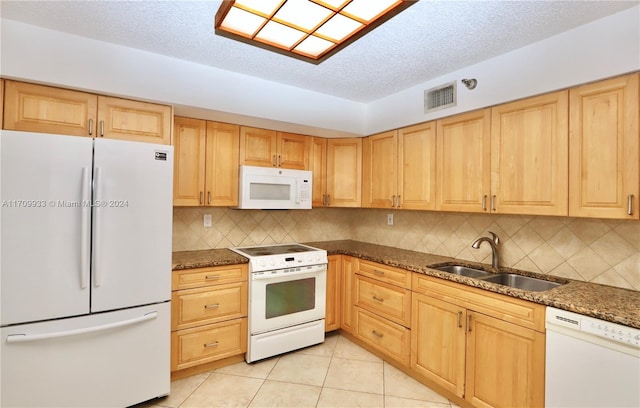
<point>280,256</point>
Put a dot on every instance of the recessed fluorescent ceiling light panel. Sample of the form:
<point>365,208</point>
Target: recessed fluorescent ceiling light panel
<point>311,30</point>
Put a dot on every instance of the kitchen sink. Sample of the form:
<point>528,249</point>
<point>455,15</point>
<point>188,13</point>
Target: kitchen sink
<point>521,282</point>
<point>463,271</point>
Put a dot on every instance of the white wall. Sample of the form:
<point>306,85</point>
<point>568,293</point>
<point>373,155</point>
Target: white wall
<point>40,55</point>
<point>597,50</point>
<point>601,49</point>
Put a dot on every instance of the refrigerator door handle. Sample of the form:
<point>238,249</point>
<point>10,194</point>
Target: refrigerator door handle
<point>97,199</point>
<point>22,338</point>
<point>85,228</point>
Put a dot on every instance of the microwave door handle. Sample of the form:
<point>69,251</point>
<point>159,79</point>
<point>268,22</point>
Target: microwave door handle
<point>298,192</point>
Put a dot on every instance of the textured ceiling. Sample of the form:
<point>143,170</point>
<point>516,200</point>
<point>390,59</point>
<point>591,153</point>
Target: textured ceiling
<point>429,39</point>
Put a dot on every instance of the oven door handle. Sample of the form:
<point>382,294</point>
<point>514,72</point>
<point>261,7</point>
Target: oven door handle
<point>279,274</point>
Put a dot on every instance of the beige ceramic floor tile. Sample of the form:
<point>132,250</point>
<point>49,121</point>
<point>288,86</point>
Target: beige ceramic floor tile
<point>260,369</point>
<point>355,375</point>
<point>301,369</point>
<point>180,390</point>
<point>222,390</point>
<point>334,398</point>
<point>349,350</point>
<point>325,349</point>
<point>398,384</point>
<point>279,394</point>
<point>395,402</point>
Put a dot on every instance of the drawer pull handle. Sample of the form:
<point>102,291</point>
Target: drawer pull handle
<point>484,202</point>
<point>378,335</point>
<point>460,319</point>
<point>630,204</point>
<point>493,203</point>
<point>207,345</point>
<point>379,273</point>
<point>90,127</point>
<point>469,323</point>
<point>214,306</point>
<point>377,299</point>
<point>212,277</point>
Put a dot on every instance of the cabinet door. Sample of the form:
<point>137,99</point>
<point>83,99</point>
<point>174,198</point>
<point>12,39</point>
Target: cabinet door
<point>438,342</point>
<point>344,172</point>
<point>318,167</point>
<point>334,290</point>
<point>505,364</point>
<point>189,143</point>
<point>1,103</point>
<point>604,152</point>
<point>529,155</point>
<point>133,120</point>
<point>417,167</point>
<point>223,145</point>
<point>258,147</point>
<point>293,151</point>
<point>380,170</point>
<point>349,268</point>
<point>464,162</point>
<point>44,109</point>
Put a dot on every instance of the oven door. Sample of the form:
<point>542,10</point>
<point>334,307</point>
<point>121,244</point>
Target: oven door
<point>286,297</point>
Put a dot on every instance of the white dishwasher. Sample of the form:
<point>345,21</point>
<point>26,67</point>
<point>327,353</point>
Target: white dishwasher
<point>590,362</point>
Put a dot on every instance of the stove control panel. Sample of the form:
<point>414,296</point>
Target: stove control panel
<point>281,261</point>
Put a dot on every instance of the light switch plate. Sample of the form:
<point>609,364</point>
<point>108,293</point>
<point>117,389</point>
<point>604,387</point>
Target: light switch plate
<point>389,219</point>
<point>207,221</point>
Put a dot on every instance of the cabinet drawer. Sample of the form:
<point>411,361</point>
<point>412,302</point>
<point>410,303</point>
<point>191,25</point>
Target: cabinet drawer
<point>383,335</point>
<point>389,301</point>
<point>388,274</point>
<point>193,347</point>
<point>195,278</point>
<point>194,307</point>
<point>503,307</point>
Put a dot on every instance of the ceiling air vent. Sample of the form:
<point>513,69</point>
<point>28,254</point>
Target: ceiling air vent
<point>440,97</point>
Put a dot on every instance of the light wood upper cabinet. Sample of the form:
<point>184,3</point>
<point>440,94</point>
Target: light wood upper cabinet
<point>399,168</point>
<point>417,164</point>
<point>206,163</point>
<point>189,142</point>
<point>464,162</point>
<point>44,109</point>
<point>604,151</point>
<point>380,170</point>
<point>268,148</point>
<point>529,156</point>
<point>318,166</point>
<point>133,120</point>
<point>344,172</point>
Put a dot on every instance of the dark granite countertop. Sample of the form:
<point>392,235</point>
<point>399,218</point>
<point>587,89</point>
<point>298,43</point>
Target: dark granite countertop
<point>600,301</point>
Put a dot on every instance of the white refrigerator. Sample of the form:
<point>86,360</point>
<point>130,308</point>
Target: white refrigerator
<point>85,278</point>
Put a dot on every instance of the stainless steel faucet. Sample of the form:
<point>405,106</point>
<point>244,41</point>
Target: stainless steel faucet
<point>494,241</point>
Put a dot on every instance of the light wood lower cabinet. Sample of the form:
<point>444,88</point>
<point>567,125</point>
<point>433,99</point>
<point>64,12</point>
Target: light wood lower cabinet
<point>382,314</point>
<point>333,314</point>
<point>349,267</point>
<point>486,348</point>
<point>208,316</point>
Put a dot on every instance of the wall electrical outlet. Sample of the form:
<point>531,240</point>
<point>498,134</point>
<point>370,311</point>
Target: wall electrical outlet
<point>389,219</point>
<point>206,222</point>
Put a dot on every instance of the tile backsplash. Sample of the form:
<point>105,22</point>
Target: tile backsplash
<point>594,250</point>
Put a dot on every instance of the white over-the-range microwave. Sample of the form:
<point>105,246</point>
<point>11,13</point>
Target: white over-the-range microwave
<point>267,188</point>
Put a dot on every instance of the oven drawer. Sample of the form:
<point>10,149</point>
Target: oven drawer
<point>387,337</point>
<point>388,274</point>
<point>199,277</point>
<point>195,307</point>
<point>191,347</point>
<point>389,301</point>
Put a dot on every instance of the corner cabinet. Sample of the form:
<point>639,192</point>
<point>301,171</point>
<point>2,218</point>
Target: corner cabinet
<point>529,156</point>
<point>208,317</point>
<point>268,148</point>
<point>604,179</point>
<point>44,109</point>
<point>486,348</point>
<point>206,163</point>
